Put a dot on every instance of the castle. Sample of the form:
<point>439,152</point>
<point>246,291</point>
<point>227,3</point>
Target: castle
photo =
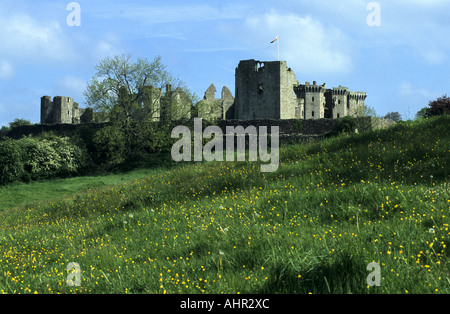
<point>270,90</point>
<point>263,90</point>
<point>63,110</point>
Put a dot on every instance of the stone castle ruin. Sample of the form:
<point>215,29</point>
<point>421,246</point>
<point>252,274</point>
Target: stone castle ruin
<point>263,90</point>
<point>64,110</point>
<point>270,90</point>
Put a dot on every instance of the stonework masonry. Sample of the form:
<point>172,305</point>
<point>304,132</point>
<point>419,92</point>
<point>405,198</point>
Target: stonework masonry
<point>63,110</point>
<point>270,90</point>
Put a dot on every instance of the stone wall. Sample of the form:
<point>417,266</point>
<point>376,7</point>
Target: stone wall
<point>59,129</point>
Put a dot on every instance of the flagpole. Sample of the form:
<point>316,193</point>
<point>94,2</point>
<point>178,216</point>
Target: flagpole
<point>278,48</point>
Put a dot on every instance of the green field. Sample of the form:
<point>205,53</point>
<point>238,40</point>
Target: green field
<point>313,226</point>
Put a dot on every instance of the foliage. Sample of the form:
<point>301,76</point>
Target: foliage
<point>422,113</point>
<point>39,158</point>
<point>345,125</point>
<point>11,162</point>
<point>440,106</point>
<point>19,122</point>
<point>394,116</point>
<point>16,123</point>
<point>369,111</point>
<point>131,93</point>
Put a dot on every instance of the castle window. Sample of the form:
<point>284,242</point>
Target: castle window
<point>313,99</point>
<point>339,101</point>
<point>312,114</point>
<point>260,89</point>
<point>338,115</point>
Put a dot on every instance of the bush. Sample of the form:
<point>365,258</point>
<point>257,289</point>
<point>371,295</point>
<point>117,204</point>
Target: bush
<point>11,168</point>
<point>39,158</point>
<point>345,125</point>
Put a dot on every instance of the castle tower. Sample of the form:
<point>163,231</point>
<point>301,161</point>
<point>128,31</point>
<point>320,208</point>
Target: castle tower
<point>356,103</point>
<point>340,104</point>
<point>312,100</point>
<point>63,109</point>
<point>46,110</point>
<point>264,90</point>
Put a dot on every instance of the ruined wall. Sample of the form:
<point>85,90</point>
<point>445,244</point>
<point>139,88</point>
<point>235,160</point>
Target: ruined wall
<point>212,108</point>
<point>60,109</point>
<point>257,93</point>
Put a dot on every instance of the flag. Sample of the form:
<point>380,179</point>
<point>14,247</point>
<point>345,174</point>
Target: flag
<point>276,38</point>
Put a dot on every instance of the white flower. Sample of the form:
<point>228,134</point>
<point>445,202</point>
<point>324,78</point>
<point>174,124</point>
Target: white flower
<point>431,230</point>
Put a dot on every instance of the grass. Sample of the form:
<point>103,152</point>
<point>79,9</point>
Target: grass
<point>313,226</point>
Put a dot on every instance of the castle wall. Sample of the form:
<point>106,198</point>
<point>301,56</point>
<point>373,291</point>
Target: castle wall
<point>257,93</point>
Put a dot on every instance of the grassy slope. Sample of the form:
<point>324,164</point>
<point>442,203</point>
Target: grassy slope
<point>313,226</point>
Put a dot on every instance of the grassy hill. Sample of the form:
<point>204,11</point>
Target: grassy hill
<point>313,226</point>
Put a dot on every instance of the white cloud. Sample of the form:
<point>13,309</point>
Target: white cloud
<point>25,37</point>
<point>151,14</point>
<point>407,90</point>
<point>73,85</point>
<point>6,70</point>
<point>308,45</point>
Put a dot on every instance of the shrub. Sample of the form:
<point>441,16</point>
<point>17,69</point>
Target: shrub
<point>11,168</point>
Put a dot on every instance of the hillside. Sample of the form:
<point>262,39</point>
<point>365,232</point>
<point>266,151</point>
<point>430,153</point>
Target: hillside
<point>313,226</point>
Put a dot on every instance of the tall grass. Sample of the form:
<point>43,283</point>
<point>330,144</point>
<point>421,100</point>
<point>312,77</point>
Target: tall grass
<point>313,226</point>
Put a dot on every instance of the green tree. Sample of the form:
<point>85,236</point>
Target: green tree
<point>422,113</point>
<point>19,122</point>
<point>393,116</point>
<point>369,112</point>
<point>140,97</point>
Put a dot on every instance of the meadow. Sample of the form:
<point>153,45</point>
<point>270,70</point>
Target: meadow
<point>313,226</point>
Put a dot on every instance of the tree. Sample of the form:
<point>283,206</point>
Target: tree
<point>437,107</point>
<point>369,112</point>
<point>393,116</point>
<point>422,113</point>
<point>16,123</point>
<point>135,95</point>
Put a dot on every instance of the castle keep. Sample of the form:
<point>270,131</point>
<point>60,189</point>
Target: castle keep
<point>270,90</point>
<point>63,110</point>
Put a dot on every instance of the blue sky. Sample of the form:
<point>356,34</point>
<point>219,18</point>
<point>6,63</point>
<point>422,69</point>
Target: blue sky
<point>401,64</point>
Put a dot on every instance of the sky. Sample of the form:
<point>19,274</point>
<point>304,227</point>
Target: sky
<point>395,51</point>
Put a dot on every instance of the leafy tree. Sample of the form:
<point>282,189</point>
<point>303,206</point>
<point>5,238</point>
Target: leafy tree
<point>369,112</point>
<point>393,116</point>
<point>422,113</point>
<point>437,107</point>
<point>19,122</point>
<point>15,123</point>
<point>140,97</point>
